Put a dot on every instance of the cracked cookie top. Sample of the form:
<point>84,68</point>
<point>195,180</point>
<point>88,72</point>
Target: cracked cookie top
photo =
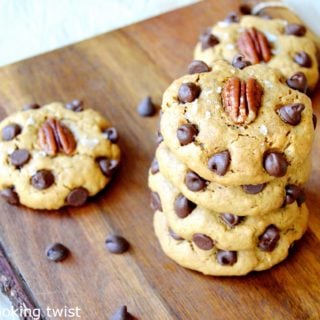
<point>56,155</point>
<point>237,127</point>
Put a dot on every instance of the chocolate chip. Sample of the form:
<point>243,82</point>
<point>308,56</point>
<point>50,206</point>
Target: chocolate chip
<point>298,82</point>
<point>188,92</point>
<point>77,197</point>
<point>187,133</point>
<point>10,196</point>
<point>231,219</point>
<point>57,252</point>
<point>294,193</point>
<point>253,188</point>
<point>30,106</point>
<point>202,241</point>
<point>194,182</point>
<point>227,258</point>
<point>155,201</point>
<point>269,239</point>
<point>112,134</point>
<point>122,314</point>
<point>219,162</point>
<point>275,164</point>
<point>159,138</point>
<point>146,108</point>
<point>117,244</point>
<point>108,166</point>
<point>291,113</point>
<point>174,235</point>
<point>198,66</point>
<point>75,105</point>
<point>208,40</point>
<point>10,131</point>
<point>20,157</point>
<point>154,166</point>
<point>295,29</point>
<point>245,9</point>
<point>239,62</point>
<point>182,206</point>
<point>314,121</point>
<point>232,17</point>
<point>303,59</point>
<point>42,179</point>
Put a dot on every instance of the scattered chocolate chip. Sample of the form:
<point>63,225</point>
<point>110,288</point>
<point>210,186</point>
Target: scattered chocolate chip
<point>188,92</point>
<point>42,179</point>
<point>182,206</point>
<point>30,106</point>
<point>146,108</point>
<point>174,235</point>
<point>202,241</point>
<point>295,29</point>
<point>187,133</point>
<point>275,164</point>
<point>232,17</point>
<point>75,105</point>
<point>198,66</point>
<point>245,9</point>
<point>291,113</point>
<point>231,219</point>
<point>155,201</point>
<point>10,131</point>
<point>269,239</point>
<point>208,40</point>
<point>303,59</point>
<point>239,62</point>
<point>154,166</point>
<point>298,81</point>
<point>122,314</point>
<point>10,196</point>
<point>159,138</point>
<point>253,188</point>
<point>117,244</point>
<point>219,162</point>
<point>112,134</point>
<point>194,182</point>
<point>19,157</point>
<point>227,258</point>
<point>57,252</point>
<point>294,193</point>
<point>314,121</point>
<point>77,197</point>
<point>108,166</point>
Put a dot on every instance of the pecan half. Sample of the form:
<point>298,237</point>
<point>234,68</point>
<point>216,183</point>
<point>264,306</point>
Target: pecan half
<point>241,100</point>
<point>254,45</point>
<point>55,137</point>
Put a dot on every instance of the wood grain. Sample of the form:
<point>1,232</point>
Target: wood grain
<point>111,73</point>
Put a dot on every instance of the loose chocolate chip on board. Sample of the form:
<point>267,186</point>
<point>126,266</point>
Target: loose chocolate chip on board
<point>10,131</point>
<point>154,166</point>
<point>240,62</point>
<point>298,81</point>
<point>194,182</point>
<point>77,197</point>
<point>291,113</point>
<point>10,196</point>
<point>187,133</point>
<point>253,188</point>
<point>108,166</point>
<point>20,157</point>
<point>245,9</point>
<point>219,162</point>
<point>303,59</point>
<point>230,219</point>
<point>155,201</point>
<point>188,92</point>
<point>30,106</point>
<point>75,105</point>
<point>208,40</point>
<point>146,108</point>
<point>174,235</point>
<point>202,241</point>
<point>57,252</point>
<point>269,239</point>
<point>232,17</point>
<point>42,179</point>
<point>226,258</point>
<point>122,314</point>
<point>295,29</point>
<point>275,164</point>
<point>117,244</point>
<point>314,120</point>
<point>198,66</point>
<point>112,134</point>
<point>182,206</point>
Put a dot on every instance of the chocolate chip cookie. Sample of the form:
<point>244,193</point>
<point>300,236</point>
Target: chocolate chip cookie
<point>56,155</point>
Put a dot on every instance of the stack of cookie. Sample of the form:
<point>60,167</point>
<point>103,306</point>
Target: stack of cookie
<point>228,173</point>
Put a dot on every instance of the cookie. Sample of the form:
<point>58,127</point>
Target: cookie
<point>242,200</point>
<point>203,255</point>
<point>56,155</point>
<point>280,45</point>
<point>237,127</point>
<point>227,230</point>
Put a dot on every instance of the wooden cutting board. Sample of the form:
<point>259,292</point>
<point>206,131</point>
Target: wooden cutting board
<point>111,73</point>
